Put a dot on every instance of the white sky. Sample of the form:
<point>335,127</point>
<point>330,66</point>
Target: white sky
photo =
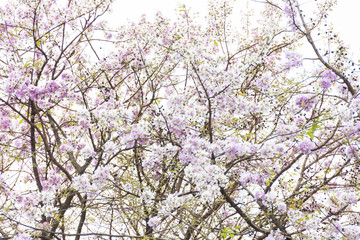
<point>345,17</point>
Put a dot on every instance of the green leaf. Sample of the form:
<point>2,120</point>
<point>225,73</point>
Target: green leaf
<point>215,42</point>
<point>8,207</point>
<point>311,135</point>
<point>312,129</point>
<point>38,42</point>
<point>229,231</point>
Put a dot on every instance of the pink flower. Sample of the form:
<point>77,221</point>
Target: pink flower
<point>110,148</point>
<point>81,183</point>
<point>305,146</point>
<point>325,83</point>
<point>304,103</point>
<point>5,124</point>
<point>282,207</point>
<point>326,78</point>
<point>259,194</point>
<point>101,176</point>
<point>294,60</point>
<point>65,76</point>
<point>351,152</point>
<point>34,92</point>
<point>52,87</point>
<point>154,222</point>
<point>22,236</point>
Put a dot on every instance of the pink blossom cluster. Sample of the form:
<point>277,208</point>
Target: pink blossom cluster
<point>305,103</point>
<point>294,59</point>
<point>180,131</point>
<point>305,146</point>
<point>326,79</point>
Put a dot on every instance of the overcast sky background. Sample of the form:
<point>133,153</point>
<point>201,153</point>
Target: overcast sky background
<point>345,17</point>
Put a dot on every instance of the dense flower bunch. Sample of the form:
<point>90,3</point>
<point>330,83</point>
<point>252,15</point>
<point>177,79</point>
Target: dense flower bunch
<point>181,131</point>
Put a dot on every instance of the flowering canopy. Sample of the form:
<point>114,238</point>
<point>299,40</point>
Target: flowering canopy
<point>182,131</point>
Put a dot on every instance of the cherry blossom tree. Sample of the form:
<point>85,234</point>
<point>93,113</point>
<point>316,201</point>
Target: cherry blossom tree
<point>182,130</point>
